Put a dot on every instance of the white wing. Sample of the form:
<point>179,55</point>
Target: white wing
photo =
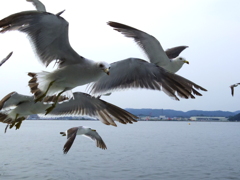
<point>84,104</point>
<point>48,34</point>
<point>13,99</point>
<point>149,44</point>
<point>97,138</point>
<point>71,135</point>
<point>137,73</point>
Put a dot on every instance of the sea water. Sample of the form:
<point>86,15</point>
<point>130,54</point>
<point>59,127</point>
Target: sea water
<point>142,151</point>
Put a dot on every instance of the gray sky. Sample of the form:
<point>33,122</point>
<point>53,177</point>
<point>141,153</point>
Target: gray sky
<point>211,29</point>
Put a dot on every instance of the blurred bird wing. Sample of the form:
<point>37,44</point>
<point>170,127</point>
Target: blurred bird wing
<point>137,73</point>
<point>13,99</point>
<point>38,5</point>
<point>149,44</point>
<point>6,58</point>
<point>97,138</point>
<point>48,34</point>
<point>71,135</point>
<point>84,104</point>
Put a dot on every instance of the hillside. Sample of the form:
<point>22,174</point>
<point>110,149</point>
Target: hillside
<point>174,113</point>
<point>235,118</point>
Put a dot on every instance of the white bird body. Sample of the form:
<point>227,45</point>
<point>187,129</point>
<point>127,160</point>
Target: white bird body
<point>174,65</point>
<point>27,108</point>
<point>68,77</point>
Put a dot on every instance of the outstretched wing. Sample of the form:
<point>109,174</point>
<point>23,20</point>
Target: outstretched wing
<point>48,34</point>
<point>232,88</point>
<point>175,51</point>
<point>13,99</point>
<point>137,73</point>
<point>38,5</point>
<point>149,44</point>
<point>97,138</point>
<point>71,135</point>
<point>84,104</point>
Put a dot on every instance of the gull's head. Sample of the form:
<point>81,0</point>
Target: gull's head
<point>105,67</point>
<point>180,59</point>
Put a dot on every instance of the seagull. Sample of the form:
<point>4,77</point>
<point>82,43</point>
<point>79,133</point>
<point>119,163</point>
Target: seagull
<point>151,47</point>
<point>49,35</point>
<point>6,58</point>
<point>137,73</point>
<point>38,5</point>
<point>233,86</point>
<point>15,107</point>
<point>85,131</point>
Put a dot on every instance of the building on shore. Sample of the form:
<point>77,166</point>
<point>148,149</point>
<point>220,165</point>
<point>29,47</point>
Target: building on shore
<point>205,118</point>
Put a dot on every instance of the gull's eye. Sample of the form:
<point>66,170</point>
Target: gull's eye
<point>180,58</point>
<point>101,65</point>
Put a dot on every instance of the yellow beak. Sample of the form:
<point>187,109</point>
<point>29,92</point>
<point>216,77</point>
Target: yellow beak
<point>106,71</point>
<point>186,62</point>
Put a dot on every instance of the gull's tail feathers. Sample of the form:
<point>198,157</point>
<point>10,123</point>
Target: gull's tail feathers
<point>42,86</point>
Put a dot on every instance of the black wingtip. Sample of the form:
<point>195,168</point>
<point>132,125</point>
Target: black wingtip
<point>58,14</point>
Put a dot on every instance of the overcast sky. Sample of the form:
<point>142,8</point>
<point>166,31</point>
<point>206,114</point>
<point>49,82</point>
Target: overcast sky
<point>211,29</point>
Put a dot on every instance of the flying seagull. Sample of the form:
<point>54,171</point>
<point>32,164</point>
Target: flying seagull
<point>6,58</point>
<point>151,47</point>
<point>171,53</point>
<point>49,35</point>
<point>85,131</point>
<point>137,73</point>
<point>232,88</point>
<point>14,108</point>
<point>38,5</point>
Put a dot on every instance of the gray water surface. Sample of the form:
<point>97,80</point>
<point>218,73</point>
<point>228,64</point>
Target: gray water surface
<point>143,151</point>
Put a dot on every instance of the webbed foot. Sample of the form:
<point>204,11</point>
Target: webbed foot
<point>40,98</point>
<point>18,124</point>
<point>48,110</point>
